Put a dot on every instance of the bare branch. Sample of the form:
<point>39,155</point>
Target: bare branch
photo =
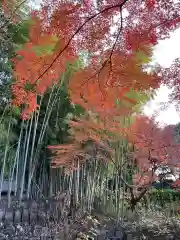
<point>108,60</point>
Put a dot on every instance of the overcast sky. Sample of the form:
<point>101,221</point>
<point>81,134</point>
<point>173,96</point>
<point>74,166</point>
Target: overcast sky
<point>165,52</point>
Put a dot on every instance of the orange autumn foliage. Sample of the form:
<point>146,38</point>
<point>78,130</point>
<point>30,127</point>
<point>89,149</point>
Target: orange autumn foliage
<point>89,138</point>
<point>99,91</point>
<point>87,26</point>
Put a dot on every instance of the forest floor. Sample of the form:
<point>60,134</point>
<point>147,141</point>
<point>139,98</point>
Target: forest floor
<point>90,227</point>
<point>152,225</point>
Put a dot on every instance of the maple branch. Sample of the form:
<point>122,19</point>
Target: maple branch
<point>130,186</point>
<point>114,45</point>
<point>135,199</point>
<point>119,32</point>
<point>77,31</point>
<point>109,59</point>
<point>165,21</point>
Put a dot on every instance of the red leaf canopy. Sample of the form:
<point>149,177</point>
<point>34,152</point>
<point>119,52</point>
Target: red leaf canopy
<point>87,27</point>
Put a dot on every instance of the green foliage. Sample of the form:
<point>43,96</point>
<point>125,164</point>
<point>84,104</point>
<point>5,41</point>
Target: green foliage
<point>139,99</point>
<point>163,196</point>
<point>8,139</point>
<point>20,32</point>
<point>142,57</point>
<point>48,48</point>
<point>13,35</point>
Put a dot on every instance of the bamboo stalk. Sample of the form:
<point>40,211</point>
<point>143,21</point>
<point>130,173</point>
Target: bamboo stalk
<point>33,164</point>
<point>13,170</point>
<point>32,148</point>
<point>5,157</point>
<point>25,159</point>
<point>18,156</point>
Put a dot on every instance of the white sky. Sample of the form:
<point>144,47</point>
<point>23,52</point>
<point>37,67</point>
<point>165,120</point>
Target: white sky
<point>165,52</point>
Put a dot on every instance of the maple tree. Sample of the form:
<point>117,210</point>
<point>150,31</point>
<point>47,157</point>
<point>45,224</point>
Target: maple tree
<point>153,148</point>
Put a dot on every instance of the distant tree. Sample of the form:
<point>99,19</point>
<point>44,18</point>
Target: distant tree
<point>177,132</point>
